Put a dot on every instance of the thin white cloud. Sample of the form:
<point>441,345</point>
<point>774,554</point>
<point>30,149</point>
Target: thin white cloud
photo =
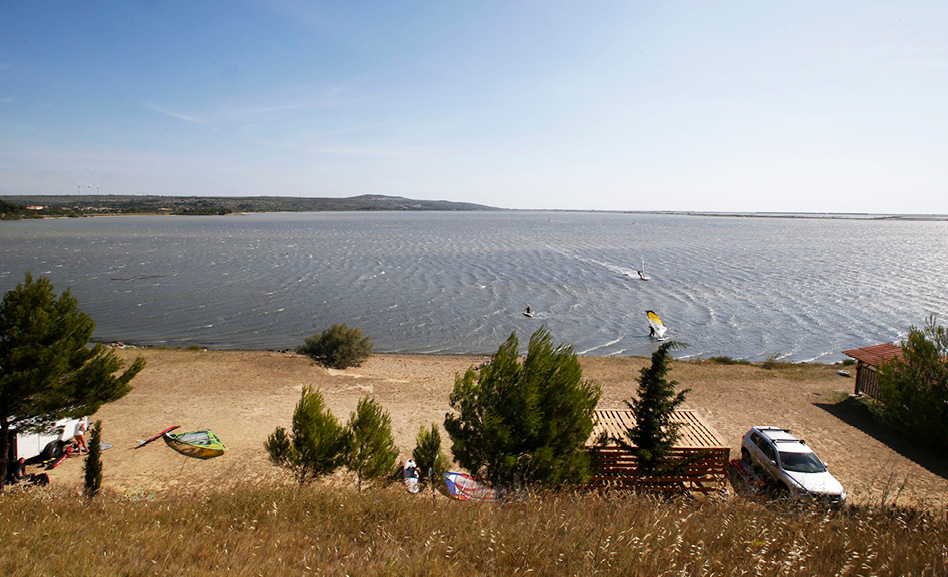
<point>173,114</point>
<point>6,100</point>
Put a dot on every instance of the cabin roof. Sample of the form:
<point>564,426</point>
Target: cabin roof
<point>694,432</point>
<point>876,355</point>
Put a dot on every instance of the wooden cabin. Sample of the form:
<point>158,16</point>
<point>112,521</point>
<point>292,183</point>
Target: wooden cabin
<point>699,447</point>
<point>868,361</point>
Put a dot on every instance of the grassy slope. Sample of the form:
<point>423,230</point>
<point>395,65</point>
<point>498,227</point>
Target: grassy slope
<point>323,530</point>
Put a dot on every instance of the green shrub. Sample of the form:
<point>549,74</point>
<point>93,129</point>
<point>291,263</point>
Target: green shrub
<point>773,362</point>
<point>913,390</point>
<point>428,455</point>
<point>524,424</point>
<point>372,452</point>
<point>338,347</point>
<point>93,468</point>
<point>728,361</point>
<point>317,443</point>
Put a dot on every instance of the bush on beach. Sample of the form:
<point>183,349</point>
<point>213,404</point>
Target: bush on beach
<point>914,389</point>
<point>428,455</point>
<point>371,451</point>
<point>316,445</point>
<point>724,360</point>
<point>93,465</point>
<point>524,424</point>
<point>338,347</point>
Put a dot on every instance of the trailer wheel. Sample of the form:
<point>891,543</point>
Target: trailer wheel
<point>52,450</point>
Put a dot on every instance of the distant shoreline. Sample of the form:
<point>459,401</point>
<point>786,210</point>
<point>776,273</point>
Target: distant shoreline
<point>823,216</point>
<point>796,216</point>
<point>39,207</point>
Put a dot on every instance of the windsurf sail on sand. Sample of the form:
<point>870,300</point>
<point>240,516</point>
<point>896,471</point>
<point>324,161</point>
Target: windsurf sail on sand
<point>199,444</point>
<point>658,327</point>
<point>467,488</point>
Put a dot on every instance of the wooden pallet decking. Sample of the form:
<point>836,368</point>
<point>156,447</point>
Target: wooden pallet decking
<point>698,447</point>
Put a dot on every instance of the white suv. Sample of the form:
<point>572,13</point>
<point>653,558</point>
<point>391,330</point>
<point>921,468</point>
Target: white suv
<point>792,465</point>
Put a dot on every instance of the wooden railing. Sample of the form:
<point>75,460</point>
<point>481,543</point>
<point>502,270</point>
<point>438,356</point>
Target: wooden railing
<point>866,381</point>
<point>703,470</point>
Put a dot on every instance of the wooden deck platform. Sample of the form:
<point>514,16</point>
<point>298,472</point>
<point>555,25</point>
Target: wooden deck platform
<point>703,455</point>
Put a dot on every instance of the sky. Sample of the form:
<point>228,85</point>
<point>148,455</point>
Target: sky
<point>804,106</point>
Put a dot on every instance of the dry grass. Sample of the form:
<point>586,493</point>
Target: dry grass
<point>279,530</point>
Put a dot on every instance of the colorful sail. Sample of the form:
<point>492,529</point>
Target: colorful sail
<point>467,488</point>
<point>658,327</point>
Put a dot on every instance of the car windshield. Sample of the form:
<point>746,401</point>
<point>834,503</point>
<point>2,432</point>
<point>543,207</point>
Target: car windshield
<point>801,463</point>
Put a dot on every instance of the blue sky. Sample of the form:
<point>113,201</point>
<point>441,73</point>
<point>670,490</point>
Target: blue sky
<point>705,106</point>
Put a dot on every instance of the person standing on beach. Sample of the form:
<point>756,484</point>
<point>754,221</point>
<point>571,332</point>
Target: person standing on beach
<point>79,436</point>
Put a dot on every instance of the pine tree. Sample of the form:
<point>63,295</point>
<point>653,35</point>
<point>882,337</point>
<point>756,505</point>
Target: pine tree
<point>522,424</point>
<point>47,370</point>
<point>93,468</point>
<point>316,445</point>
<point>428,455</point>
<point>372,451</point>
<point>654,433</point>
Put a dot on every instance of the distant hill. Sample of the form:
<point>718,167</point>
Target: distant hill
<point>74,205</point>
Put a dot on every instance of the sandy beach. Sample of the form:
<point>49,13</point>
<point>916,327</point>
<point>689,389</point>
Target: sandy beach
<point>243,396</point>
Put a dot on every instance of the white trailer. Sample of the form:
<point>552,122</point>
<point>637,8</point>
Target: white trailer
<point>29,445</point>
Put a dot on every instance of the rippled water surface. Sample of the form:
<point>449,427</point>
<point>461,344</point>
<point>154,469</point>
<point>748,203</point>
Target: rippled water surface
<point>456,282</point>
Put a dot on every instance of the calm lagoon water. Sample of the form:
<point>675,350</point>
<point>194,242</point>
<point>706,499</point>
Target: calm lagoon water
<point>457,282</point>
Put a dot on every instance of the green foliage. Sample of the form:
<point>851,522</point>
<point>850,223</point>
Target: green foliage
<point>372,452</point>
<point>47,369</point>
<point>317,444</point>
<point>428,455</point>
<point>654,433</point>
<point>93,468</point>
<point>338,347</point>
<point>722,360</point>
<point>914,390</point>
<point>773,362</point>
<point>521,424</point>
<point>10,211</point>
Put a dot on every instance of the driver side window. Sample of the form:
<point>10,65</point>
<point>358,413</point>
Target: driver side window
<point>769,451</point>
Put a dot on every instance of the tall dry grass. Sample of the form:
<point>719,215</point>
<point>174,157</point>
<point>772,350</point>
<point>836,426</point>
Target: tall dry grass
<point>278,530</point>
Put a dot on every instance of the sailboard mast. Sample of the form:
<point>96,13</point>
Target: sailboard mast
<point>642,274</point>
